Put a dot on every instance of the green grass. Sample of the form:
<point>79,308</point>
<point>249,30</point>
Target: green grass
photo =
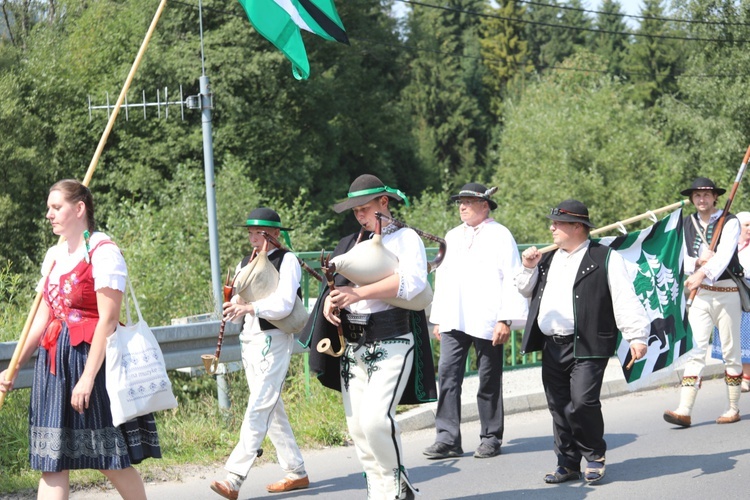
<point>195,433</point>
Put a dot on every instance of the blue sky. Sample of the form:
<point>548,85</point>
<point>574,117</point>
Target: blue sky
<point>628,6</point>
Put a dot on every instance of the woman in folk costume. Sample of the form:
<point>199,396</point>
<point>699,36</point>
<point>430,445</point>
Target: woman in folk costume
<point>387,359</point>
<point>743,253</point>
<point>266,353</point>
<point>70,425</point>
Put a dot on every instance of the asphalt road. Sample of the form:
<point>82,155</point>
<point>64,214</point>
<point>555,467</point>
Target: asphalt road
<point>647,458</point>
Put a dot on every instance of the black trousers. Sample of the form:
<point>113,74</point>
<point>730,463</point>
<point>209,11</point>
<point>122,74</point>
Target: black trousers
<point>454,348</point>
<point>573,388</point>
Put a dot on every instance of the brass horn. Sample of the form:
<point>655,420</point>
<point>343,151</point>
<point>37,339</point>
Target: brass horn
<point>325,346</point>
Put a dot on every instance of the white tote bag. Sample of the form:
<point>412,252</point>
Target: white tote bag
<point>137,381</point>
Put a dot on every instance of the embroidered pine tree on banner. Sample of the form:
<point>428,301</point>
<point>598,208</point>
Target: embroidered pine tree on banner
<point>655,262</point>
<point>280,22</point>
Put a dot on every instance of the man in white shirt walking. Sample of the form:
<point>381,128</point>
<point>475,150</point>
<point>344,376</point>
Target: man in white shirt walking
<point>475,304</point>
<point>581,295</point>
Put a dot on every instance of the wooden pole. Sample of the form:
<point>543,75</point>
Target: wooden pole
<point>13,366</point>
<point>622,223</point>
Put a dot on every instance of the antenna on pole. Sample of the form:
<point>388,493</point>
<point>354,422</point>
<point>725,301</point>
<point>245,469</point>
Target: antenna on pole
<point>191,102</point>
<point>204,102</point>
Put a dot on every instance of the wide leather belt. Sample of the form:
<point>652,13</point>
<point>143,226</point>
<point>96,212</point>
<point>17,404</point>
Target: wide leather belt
<point>362,329</point>
<point>560,339</point>
<point>720,288</point>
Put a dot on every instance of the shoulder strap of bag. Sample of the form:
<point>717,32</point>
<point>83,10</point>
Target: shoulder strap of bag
<point>130,292</point>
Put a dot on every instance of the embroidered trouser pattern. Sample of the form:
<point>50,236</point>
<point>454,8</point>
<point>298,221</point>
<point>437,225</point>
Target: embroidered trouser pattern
<point>266,357</point>
<point>371,388</point>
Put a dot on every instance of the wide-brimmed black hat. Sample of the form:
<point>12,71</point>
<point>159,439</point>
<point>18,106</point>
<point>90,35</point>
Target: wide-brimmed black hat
<point>264,217</point>
<point>571,211</point>
<point>476,190</point>
<point>702,184</point>
<point>367,187</point>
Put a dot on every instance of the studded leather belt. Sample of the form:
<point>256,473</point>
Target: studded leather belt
<point>720,288</point>
<point>377,326</point>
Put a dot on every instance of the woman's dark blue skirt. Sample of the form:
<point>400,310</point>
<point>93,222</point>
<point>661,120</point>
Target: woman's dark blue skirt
<point>744,340</point>
<point>61,438</point>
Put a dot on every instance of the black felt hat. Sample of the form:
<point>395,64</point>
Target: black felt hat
<point>476,190</point>
<point>571,211</point>
<point>702,184</point>
<point>264,217</point>
<point>367,187</point>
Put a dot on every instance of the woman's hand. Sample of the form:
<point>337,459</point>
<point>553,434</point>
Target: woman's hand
<point>344,296</point>
<point>81,395</point>
<point>6,385</point>
<point>328,312</point>
<point>235,309</point>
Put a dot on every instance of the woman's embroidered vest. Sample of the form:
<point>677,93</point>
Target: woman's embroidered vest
<point>73,301</point>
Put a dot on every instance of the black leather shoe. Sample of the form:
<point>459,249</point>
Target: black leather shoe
<point>442,450</point>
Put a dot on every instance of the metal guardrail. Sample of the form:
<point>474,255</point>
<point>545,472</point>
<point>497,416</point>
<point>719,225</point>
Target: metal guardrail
<point>183,344</point>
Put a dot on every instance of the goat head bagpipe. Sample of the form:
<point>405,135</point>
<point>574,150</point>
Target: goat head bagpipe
<point>421,387</point>
<point>256,280</point>
<point>259,279</point>
<point>370,261</point>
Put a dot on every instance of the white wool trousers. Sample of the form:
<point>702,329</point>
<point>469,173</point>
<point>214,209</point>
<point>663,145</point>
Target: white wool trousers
<point>266,357</point>
<point>373,379</point>
<point>720,309</point>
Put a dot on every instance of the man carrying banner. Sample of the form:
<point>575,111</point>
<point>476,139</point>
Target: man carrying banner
<point>717,302</point>
<point>577,336</point>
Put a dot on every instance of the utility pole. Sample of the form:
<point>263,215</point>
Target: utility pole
<point>206,99</point>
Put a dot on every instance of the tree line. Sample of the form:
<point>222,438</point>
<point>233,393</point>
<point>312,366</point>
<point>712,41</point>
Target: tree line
<point>547,100</point>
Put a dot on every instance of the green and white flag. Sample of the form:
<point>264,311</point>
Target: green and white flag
<point>280,22</point>
<point>655,260</point>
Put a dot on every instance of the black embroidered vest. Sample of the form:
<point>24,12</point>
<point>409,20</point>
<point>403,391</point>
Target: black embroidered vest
<point>692,243</point>
<point>595,334</point>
